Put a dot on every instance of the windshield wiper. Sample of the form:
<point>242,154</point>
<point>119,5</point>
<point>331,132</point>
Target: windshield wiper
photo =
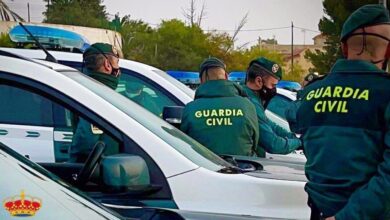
<point>49,57</point>
<point>231,170</point>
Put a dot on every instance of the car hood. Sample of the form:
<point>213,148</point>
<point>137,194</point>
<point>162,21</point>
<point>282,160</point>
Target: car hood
<point>276,168</point>
<point>188,215</point>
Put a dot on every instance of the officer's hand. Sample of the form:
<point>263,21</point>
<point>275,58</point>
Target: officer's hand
<point>331,218</point>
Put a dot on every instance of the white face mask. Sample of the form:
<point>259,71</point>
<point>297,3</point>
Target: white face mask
<point>132,95</point>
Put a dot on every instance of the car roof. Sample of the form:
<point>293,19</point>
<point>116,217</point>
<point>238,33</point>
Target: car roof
<point>55,66</point>
<point>287,93</point>
<point>50,65</point>
<point>68,56</point>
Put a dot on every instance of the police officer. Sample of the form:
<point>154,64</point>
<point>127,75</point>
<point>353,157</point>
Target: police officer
<point>101,63</point>
<point>135,92</point>
<point>345,124</point>
<point>262,77</point>
<point>220,117</point>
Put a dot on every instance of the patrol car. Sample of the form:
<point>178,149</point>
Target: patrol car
<point>180,172</point>
<point>32,191</point>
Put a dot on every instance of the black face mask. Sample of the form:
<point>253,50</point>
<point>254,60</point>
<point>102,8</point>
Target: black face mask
<point>266,94</point>
<point>115,71</point>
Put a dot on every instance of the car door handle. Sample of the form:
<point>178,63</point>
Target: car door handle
<point>3,132</point>
<point>33,134</point>
<point>64,149</point>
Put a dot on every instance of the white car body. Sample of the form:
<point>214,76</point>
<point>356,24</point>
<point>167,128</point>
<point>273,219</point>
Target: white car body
<point>193,186</point>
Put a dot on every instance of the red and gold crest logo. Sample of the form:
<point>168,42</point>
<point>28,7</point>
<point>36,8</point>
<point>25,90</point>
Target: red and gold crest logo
<point>22,205</point>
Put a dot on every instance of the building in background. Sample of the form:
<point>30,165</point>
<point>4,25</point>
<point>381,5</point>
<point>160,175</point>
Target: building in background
<point>298,52</point>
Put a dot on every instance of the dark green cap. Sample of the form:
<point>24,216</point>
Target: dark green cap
<point>311,76</point>
<point>367,15</point>
<point>100,48</point>
<point>271,67</point>
<point>209,63</point>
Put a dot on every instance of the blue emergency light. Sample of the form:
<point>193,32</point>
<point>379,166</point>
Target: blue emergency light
<point>49,37</point>
<point>185,77</point>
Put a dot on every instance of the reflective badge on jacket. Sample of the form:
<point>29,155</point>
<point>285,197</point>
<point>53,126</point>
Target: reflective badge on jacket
<point>335,98</point>
<point>218,117</point>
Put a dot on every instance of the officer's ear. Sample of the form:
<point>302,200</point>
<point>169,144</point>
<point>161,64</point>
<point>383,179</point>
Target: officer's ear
<point>344,49</point>
<point>202,77</point>
<point>107,65</point>
<point>259,81</point>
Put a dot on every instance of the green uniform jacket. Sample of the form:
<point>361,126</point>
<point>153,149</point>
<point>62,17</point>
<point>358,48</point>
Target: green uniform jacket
<point>344,120</point>
<point>272,138</point>
<point>291,112</point>
<point>84,138</point>
<point>146,101</point>
<point>222,119</point>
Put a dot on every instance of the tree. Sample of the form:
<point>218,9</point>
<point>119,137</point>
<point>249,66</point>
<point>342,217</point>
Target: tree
<point>191,15</point>
<point>337,12</point>
<point>5,41</point>
<point>88,13</point>
<point>137,40</point>
<point>6,14</point>
<point>179,46</point>
<point>296,75</point>
<point>270,41</point>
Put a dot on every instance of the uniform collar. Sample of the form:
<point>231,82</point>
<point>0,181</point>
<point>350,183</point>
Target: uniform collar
<point>255,98</point>
<point>251,93</point>
<point>343,65</point>
<point>219,88</point>
<point>107,79</point>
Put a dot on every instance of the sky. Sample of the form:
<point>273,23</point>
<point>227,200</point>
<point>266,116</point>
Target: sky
<point>220,15</point>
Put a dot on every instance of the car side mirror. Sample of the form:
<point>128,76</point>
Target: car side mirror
<point>173,115</point>
<point>123,173</point>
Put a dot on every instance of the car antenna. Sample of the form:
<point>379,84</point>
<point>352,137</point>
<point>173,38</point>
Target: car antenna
<point>49,57</point>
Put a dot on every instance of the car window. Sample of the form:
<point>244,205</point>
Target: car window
<point>146,94</point>
<point>278,105</point>
<point>23,107</point>
<point>176,82</point>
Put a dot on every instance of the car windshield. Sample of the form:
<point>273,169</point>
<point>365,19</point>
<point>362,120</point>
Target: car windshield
<point>176,82</point>
<point>184,144</point>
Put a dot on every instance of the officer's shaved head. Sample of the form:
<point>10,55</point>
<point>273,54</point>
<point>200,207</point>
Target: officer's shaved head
<point>366,35</point>
<point>369,43</point>
<point>213,73</point>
